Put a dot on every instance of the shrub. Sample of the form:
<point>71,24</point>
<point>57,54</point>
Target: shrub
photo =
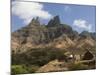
<point>39,57</point>
<point>23,69</point>
<point>18,69</point>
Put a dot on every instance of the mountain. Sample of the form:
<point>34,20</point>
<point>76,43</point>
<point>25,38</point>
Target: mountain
<point>54,34</point>
<point>53,47</point>
<point>54,22</point>
<point>88,34</point>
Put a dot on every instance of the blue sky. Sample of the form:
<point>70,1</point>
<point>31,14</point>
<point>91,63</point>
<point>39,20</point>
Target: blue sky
<point>79,17</point>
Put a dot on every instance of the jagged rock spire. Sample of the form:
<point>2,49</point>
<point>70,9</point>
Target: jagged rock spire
<point>54,22</point>
<point>35,22</point>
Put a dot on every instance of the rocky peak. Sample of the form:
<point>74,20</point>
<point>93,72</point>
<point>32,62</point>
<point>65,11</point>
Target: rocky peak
<point>35,22</point>
<point>54,22</point>
<point>86,34</point>
<point>54,34</point>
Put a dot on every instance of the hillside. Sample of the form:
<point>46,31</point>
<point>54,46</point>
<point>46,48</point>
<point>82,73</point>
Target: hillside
<point>54,33</point>
<point>40,45</point>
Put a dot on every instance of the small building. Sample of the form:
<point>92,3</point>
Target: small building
<point>88,56</point>
<point>77,55</point>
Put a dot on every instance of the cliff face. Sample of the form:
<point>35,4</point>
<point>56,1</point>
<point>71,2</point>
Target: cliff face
<point>54,34</point>
<point>54,22</point>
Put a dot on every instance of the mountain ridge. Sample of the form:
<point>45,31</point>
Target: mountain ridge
<point>36,35</point>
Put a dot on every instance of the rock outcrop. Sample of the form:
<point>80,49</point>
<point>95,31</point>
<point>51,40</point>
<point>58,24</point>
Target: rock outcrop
<point>55,34</point>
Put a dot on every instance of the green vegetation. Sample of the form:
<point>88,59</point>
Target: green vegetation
<point>37,57</point>
<point>78,66</point>
<point>33,59</point>
<point>23,69</point>
<point>18,69</point>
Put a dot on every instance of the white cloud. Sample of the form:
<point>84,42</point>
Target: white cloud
<point>83,24</point>
<point>28,10</point>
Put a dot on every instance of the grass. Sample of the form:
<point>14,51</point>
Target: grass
<point>23,69</point>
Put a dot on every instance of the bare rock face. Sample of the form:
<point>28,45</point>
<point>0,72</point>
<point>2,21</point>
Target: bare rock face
<point>86,42</point>
<point>63,42</point>
<point>54,22</point>
<point>54,34</point>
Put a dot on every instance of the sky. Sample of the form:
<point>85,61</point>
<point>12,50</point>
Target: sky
<point>79,17</point>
